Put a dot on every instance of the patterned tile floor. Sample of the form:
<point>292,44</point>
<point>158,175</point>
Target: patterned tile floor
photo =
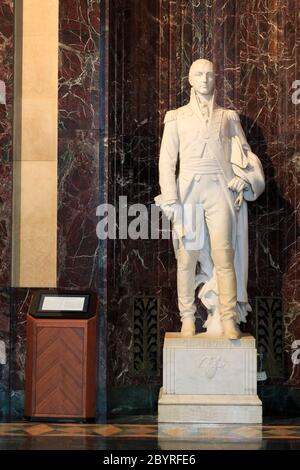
<point>134,433</point>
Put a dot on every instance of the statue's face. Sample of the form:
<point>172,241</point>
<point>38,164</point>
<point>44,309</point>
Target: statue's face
<point>202,78</point>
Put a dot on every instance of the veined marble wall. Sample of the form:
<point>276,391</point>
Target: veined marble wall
<point>6,177</point>
<point>78,183</point>
<point>78,165</point>
<point>81,257</point>
<point>6,122</point>
<point>141,268</point>
<point>255,46</point>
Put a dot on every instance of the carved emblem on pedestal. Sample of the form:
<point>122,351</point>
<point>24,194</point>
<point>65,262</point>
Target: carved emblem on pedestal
<point>211,364</point>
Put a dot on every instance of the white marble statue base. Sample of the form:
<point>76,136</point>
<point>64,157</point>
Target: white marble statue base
<point>207,436</point>
<point>209,380</point>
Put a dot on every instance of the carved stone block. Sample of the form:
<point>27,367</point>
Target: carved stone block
<point>209,380</point>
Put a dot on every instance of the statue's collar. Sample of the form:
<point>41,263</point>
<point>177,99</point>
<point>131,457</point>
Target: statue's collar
<point>195,107</point>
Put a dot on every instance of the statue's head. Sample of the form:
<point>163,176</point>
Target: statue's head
<point>202,76</point>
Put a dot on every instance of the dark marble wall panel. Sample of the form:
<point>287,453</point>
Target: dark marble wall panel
<point>19,307</point>
<point>152,44</point>
<point>78,165</point>
<point>78,199</point>
<point>5,352</point>
<point>6,144</point>
<point>14,305</point>
<point>255,46</point>
<point>268,68</point>
<point>6,120</point>
<point>20,304</point>
<point>82,161</point>
<point>287,169</point>
<point>133,146</point>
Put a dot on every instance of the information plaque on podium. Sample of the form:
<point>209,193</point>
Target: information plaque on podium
<point>60,381</point>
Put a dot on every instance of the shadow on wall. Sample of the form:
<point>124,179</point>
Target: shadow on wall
<point>273,237</point>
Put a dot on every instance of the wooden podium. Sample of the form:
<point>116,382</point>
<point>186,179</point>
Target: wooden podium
<point>60,380</point>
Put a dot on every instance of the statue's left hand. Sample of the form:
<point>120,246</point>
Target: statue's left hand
<point>239,200</point>
<point>237,184</point>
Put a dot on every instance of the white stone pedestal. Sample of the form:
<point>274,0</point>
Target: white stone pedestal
<point>209,380</point>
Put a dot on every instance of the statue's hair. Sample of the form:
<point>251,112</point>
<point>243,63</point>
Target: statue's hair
<point>200,62</point>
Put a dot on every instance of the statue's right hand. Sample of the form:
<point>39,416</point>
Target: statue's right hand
<point>169,210</point>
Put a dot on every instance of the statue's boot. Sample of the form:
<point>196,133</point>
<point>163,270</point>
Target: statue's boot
<point>188,327</point>
<point>226,279</point>
<point>230,329</point>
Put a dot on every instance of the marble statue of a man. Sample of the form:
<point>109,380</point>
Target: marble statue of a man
<point>207,204</point>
